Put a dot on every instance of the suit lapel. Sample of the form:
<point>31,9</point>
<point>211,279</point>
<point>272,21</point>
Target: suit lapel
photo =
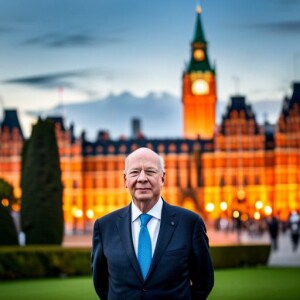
<point>168,225</point>
<point>124,227</point>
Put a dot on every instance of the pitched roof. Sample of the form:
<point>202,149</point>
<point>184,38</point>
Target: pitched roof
<point>11,121</point>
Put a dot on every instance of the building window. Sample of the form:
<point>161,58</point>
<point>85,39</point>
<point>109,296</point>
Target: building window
<point>122,149</point>
<point>172,148</point>
<point>161,148</point>
<point>149,145</point>
<point>99,149</point>
<point>75,184</point>
<point>111,149</point>
<point>234,181</point>
<point>256,180</point>
<point>184,147</point>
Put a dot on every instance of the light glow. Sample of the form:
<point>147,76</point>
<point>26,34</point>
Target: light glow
<point>77,213</point>
<point>200,87</point>
<point>210,207</point>
<point>235,214</point>
<point>259,204</point>
<point>223,205</point>
<point>268,210</point>
<point>257,215</point>
<point>90,214</point>
<point>5,202</point>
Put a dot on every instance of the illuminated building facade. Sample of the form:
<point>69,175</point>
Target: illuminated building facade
<point>215,169</point>
<point>199,94</point>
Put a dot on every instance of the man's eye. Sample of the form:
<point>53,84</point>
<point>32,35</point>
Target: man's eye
<point>134,173</point>
<point>150,172</point>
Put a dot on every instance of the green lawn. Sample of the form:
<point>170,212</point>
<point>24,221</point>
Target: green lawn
<point>257,283</point>
<point>231,284</point>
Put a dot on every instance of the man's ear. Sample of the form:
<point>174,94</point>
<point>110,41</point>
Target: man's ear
<point>163,177</point>
<point>125,180</point>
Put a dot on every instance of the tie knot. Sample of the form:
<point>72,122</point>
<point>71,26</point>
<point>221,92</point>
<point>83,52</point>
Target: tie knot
<point>145,219</point>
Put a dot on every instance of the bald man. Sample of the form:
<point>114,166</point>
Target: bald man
<point>150,249</point>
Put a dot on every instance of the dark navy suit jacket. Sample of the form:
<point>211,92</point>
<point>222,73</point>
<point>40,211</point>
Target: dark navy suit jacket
<point>181,267</point>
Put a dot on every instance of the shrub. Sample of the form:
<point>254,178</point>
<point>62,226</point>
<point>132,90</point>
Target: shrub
<point>233,256</point>
<point>43,261</point>
<point>56,261</point>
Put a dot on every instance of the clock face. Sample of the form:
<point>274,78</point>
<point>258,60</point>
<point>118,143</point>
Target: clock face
<point>198,54</point>
<point>200,87</point>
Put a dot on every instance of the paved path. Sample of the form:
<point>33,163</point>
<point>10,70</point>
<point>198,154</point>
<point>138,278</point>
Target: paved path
<point>284,256</point>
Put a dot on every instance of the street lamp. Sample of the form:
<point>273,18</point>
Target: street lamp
<point>77,214</point>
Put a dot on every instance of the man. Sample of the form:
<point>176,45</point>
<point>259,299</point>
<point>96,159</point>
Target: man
<point>166,259</point>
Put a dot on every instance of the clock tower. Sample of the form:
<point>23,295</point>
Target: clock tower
<point>199,89</point>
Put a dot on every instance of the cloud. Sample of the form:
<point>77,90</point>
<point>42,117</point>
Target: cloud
<point>286,27</point>
<point>58,40</point>
<point>54,80</point>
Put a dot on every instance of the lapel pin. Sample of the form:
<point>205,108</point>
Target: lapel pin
<point>172,223</point>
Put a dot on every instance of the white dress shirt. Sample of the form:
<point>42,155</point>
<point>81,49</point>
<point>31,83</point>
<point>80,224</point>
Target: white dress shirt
<point>153,225</point>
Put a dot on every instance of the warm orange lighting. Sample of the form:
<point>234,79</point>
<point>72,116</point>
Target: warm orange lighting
<point>76,212</point>
<point>256,215</point>
<point>200,87</point>
<point>241,194</point>
<point>223,205</point>
<point>15,207</point>
<point>268,210</point>
<point>235,214</point>
<point>90,214</point>
<point>259,204</point>
<point>5,202</point>
<point>244,217</point>
<point>199,54</point>
<point>209,207</point>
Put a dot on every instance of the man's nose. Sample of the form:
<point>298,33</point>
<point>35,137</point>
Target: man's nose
<point>142,176</point>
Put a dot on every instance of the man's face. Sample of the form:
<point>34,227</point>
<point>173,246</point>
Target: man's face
<point>144,177</point>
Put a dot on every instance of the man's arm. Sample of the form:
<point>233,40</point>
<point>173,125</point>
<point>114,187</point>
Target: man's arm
<point>99,264</point>
<point>201,268</point>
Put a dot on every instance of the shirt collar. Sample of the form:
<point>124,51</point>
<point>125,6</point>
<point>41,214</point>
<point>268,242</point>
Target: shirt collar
<point>155,211</point>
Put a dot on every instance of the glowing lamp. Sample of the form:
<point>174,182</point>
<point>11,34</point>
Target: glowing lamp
<point>268,210</point>
<point>90,214</point>
<point>258,204</point>
<point>5,202</point>
<point>209,207</point>
<point>235,214</point>
<point>77,213</point>
<point>256,215</point>
<point>223,205</point>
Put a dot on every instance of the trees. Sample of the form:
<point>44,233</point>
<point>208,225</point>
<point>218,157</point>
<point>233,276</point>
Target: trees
<point>8,232</point>
<point>41,207</point>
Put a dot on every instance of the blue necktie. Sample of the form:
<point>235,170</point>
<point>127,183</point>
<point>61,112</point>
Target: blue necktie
<point>144,248</point>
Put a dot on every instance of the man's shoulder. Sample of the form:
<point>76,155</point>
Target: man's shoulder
<point>181,211</point>
<point>113,215</point>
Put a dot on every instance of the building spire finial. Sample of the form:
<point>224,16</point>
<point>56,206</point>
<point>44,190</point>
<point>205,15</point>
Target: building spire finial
<point>198,9</point>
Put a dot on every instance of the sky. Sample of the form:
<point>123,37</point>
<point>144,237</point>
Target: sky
<point>65,51</point>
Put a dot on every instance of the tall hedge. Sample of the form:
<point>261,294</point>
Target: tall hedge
<point>8,232</point>
<point>41,206</point>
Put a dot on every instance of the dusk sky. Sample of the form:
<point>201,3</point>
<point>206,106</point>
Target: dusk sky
<point>92,48</point>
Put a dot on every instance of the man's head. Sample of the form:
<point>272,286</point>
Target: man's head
<point>144,177</point>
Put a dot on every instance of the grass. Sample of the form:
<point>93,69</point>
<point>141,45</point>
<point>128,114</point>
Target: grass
<point>257,283</point>
<point>233,284</point>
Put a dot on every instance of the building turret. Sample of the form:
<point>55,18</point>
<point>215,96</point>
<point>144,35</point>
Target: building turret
<point>199,89</point>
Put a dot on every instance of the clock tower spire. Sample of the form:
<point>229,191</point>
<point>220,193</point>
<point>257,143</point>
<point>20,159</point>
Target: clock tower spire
<point>199,88</point>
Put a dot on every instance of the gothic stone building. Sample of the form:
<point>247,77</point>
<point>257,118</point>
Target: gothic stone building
<point>237,168</point>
